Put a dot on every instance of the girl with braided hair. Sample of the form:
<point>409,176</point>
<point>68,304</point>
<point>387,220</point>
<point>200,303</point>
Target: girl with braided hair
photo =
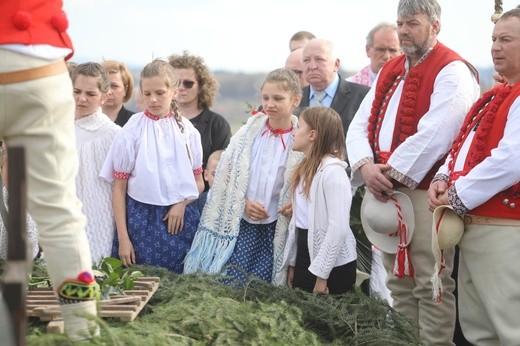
<point>155,164</point>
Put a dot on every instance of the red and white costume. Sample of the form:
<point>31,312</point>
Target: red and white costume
<point>484,177</point>
<point>408,120</point>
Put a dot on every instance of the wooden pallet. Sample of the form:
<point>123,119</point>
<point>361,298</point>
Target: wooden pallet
<point>42,303</point>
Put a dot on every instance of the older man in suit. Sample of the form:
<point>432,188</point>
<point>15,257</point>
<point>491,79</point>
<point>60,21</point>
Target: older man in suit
<point>327,88</point>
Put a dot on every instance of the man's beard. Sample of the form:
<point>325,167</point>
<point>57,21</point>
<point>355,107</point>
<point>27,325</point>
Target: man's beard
<point>417,50</point>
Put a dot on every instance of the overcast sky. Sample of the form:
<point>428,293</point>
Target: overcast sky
<point>252,36</point>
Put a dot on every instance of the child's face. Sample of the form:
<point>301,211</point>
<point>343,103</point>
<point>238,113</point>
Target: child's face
<point>87,95</point>
<point>209,172</point>
<point>277,102</point>
<point>157,96</point>
<point>303,137</point>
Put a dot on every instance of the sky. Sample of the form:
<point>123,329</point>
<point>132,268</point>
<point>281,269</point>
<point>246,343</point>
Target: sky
<point>253,36</point>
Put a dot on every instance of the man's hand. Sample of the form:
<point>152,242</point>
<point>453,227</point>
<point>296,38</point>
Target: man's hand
<point>437,194</point>
<point>377,180</point>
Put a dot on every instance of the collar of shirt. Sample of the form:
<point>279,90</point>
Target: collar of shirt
<point>330,90</point>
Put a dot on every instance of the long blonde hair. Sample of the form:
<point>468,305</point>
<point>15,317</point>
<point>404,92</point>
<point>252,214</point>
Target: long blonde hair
<point>330,140</point>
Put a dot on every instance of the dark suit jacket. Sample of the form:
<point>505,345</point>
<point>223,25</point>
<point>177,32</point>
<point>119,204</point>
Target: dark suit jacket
<point>346,101</point>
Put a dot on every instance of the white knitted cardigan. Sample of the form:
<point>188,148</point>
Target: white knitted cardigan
<point>220,222</point>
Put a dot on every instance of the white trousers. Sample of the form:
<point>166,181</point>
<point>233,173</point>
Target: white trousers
<point>39,115</point>
<point>489,276</point>
<point>413,296</point>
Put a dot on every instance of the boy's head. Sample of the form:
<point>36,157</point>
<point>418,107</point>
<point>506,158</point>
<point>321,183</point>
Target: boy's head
<point>211,166</point>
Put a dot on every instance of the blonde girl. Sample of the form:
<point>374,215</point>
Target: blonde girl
<point>244,223</point>
<point>320,253</point>
<point>155,164</point>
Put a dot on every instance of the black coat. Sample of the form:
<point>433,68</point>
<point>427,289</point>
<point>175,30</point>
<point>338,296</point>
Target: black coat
<point>346,101</point>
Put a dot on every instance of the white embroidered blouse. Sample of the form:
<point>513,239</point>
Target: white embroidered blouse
<point>158,159</point>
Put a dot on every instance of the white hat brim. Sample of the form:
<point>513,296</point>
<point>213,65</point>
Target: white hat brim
<point>384,242</point>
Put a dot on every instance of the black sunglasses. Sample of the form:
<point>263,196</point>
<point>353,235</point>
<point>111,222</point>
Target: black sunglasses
<point>188,84</point>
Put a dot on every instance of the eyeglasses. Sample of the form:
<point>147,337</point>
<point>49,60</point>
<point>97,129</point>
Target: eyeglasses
<point>298,72</point>
<point>188,84</point>
<point>384,50</point>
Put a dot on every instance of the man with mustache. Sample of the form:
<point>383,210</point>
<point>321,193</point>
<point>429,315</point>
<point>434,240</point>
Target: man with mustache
<point>399,136</point>
<point>481,181</point>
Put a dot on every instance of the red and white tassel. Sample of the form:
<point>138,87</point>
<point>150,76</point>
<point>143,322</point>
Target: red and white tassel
<point>436,281</point>
<point>403,265</point>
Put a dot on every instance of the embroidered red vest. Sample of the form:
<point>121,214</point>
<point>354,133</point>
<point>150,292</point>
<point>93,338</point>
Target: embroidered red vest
<point>415,99</point>
<point>505,204</point>
<point>34,22</point>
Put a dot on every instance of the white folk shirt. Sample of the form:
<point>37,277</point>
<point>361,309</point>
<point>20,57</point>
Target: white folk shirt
<point>301,208</point>
<point>266,172</point>
<point>497,172</point>
<point>160,158</point>
<point>455,91</point>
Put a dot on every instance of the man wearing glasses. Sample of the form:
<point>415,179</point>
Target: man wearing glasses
<point>382,45</point>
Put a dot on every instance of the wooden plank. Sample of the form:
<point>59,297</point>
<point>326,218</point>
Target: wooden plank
<point>44,305</point>
<point>123,300</point>
<point>16,268</point>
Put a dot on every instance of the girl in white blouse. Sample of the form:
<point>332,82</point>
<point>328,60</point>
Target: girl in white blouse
<point>321,249</point>
<point>94,135</point>
<point>244,223</point>
<point>155,163</point>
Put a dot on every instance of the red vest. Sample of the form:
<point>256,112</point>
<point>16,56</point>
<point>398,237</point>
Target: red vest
<point>34,22</point>
<point>415,98</point>
<point>505,204</point>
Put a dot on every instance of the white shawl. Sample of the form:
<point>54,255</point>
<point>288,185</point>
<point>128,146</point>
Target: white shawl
<point>220,222</point>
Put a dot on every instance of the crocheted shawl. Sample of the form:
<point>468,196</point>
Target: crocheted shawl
<point>218,230</point>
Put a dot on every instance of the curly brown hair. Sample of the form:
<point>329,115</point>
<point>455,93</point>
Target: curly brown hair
<point>208,84</point>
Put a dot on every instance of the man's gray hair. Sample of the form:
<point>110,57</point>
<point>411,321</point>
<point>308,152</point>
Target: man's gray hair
<point>371,33</point>
<point>515,12</point>
<point>431,8</point>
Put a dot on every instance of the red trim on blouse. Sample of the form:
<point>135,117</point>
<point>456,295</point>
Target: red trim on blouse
<point>197,171</point>
<point>274,132</point>
<point>121,175</point>
<point>155,117</point>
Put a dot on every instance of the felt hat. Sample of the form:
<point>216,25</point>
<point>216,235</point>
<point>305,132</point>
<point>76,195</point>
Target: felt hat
<point>447,230</point>
<point>381,220</point>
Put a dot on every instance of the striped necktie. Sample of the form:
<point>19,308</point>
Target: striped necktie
<point>319,95</point>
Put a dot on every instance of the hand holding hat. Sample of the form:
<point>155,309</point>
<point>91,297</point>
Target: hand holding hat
<point>389,226</point>
<point>447,230</point>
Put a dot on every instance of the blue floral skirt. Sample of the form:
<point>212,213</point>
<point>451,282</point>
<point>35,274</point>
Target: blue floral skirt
<point>153,245</point>
<point>253,253</point>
